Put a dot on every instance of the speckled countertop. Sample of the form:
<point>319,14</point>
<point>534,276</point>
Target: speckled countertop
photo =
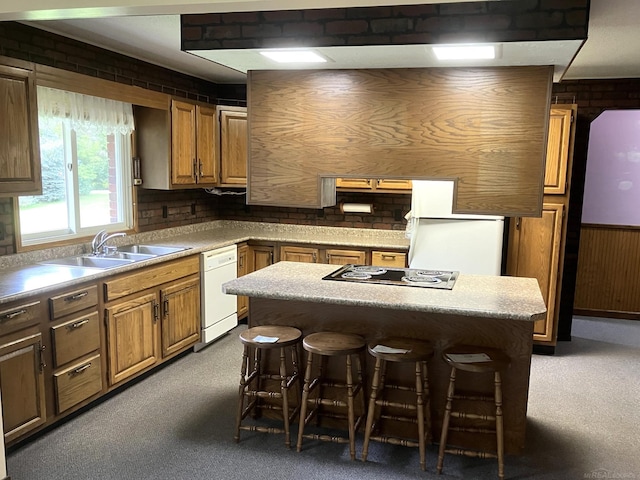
<point>472,295</point>
<point>21,275</point>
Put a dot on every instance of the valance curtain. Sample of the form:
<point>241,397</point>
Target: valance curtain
<point>86,111</point>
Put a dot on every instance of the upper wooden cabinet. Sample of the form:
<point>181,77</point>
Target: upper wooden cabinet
<point>19,149</point>
<point>374,185</point>
<point>559,143</point>
<point>177,146</point>
<point>232,145</point>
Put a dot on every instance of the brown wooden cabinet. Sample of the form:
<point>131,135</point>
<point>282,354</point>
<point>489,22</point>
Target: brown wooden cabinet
<point>20,146</point>
<point>560,136</point>
<point>243,269</point>
<point>388,259</point>
<point>180,310</point>
<point>232,145</point>
<point>150,315</point>
<point>335,256</point>
<point>261,256</point>
<point>536,244</point>
<point>534,251</point>
<point>177,146</point>
<point>379,185</point>
<point>76,346</point>
<point>22,382</point>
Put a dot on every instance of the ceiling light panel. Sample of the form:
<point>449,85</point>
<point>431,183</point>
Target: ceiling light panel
<point>293,56</point>
<point>464,52</point>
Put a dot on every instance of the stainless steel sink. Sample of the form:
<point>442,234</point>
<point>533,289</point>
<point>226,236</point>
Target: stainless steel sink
<point>89,261</point>
<point>136,257</point>
<point>153,250</point>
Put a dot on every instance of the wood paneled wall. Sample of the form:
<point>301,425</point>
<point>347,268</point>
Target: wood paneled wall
<point>608,272</point>
<point>485,127</point>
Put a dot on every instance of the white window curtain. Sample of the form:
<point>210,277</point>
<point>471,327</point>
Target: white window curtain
<point>107,116</point>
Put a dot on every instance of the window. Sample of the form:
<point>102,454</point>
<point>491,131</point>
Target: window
<point>85,150</point>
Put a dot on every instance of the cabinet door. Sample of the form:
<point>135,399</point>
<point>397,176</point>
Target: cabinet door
<point>262,256</point>
<point>132,336</point>
<point>560,130</point>
<point>243,269</point>
<point>534,252</point>
<point>393,184</point>
<point>388,259</point>
<point>359,183</point>
<point>183,143</point>
<point>180,315</point>
<point>20,147</point>
<point>290,253</point>
<point>206,138</point>
<point>22,384</point>
<point>342,257</point>
<point>233,147</point>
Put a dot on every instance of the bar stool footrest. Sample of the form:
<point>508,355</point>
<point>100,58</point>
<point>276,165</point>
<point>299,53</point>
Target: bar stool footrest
<point>403,442</point>
<point>473,416</point>
<point>470,453</point>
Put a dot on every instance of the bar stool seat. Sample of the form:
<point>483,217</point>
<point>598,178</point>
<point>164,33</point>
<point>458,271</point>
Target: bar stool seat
<point>477,360</point>
<point>400,351</point>
<point>255,379</point>
<point>325,345</point>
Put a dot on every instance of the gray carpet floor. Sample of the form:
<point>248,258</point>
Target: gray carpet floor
<point>583,420</point>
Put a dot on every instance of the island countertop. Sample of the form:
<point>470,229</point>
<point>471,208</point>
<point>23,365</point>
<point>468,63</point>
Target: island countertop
<point>511,298</point>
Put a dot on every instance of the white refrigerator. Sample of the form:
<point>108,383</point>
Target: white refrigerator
<point>441,240</point>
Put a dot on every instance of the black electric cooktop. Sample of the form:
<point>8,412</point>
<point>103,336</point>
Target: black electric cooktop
<point>408,277</point>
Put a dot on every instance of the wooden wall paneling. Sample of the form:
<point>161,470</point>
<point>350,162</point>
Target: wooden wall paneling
<point>76,82</point>
<point>608,266</point>
<point>485,127</point>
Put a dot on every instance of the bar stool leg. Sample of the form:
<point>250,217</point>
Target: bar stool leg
<point>445,421</point>
<point>499,424</point>
<point>372,408</point>
<point>420,412</point>
<point>241,389</point>
<point>305,399</point>
<point>350,411</point>
<point>285,397</point>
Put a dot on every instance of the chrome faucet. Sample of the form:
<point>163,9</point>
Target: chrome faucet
<point>101,238</point>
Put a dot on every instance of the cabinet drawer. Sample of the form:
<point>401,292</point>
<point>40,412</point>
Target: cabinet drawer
<point>78,382</point>
<point>19,316</point>
<point>388,259</point>
<point>75,338</point>
<point>73,301</point>
<point>145,278</point>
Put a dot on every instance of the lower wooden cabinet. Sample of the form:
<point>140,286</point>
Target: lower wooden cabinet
<point>261,256</point>
<point>150,315</point>
<point>132,333</point>
<point>78,382</point>
<point>293,253</point>
<point>180,315</point>
<point>334,256</point>
<point>22,382</point>
<point>534,251</point>
<point>388,259</point>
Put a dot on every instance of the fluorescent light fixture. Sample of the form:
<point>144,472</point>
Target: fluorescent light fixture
<point>465,52</point>
<point>293,56</point>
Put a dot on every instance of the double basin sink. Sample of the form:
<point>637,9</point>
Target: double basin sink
<point>123,256</point>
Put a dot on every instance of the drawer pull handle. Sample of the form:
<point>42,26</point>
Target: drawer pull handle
<point>79,370</point>
<point>9,316</point>
<point>77,296</point>
<point>78,324</point>
<point>389,257</point>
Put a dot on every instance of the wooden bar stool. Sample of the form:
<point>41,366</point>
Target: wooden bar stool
<point>324,345</point>
<point>401,351</point>
<point>254,378</point>
<point>475,360</point>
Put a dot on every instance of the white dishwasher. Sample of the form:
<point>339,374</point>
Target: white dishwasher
<point>218,310</point>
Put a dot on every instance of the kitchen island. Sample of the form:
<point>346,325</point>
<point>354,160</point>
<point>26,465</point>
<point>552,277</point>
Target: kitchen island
<point>480,310</point>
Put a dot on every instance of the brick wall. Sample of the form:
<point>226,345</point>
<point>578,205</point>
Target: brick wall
<point>389,210</point>
<point>159,209</point>
<point>504,21</point>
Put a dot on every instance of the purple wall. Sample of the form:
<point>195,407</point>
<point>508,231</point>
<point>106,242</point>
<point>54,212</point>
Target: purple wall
<point>612,183</point>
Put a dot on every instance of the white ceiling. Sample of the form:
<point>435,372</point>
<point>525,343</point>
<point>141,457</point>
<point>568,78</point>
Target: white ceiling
<point>609,52</point>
